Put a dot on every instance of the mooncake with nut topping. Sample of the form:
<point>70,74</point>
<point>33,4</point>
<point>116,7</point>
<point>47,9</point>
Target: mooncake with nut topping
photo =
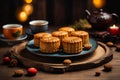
<point>72,45</point>
<point>38,36</point>
<point>49,44</point>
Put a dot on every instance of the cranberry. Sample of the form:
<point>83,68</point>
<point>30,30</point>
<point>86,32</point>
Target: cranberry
<point>6,59</point>
<point>32,71</point>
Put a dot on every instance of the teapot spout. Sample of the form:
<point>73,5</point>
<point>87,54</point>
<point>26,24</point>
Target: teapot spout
<point>88,13</point>
<point>115,18</point>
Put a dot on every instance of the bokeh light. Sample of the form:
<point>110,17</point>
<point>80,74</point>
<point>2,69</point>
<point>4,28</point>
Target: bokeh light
<point>99,3</point>
<point>28,1</point>
<point>24,11</point>
<point>22,16</point>
<point>28,8</point>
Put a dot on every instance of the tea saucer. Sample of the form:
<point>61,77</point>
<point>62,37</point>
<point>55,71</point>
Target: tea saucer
<point>21,38</point>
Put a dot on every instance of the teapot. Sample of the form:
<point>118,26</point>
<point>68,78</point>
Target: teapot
<point>101,20</point>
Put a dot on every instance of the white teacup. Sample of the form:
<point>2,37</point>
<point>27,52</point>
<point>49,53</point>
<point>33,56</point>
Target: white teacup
<point>38,25</point>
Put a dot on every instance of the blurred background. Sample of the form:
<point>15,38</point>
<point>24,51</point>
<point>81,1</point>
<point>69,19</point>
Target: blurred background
<point>57,12</point>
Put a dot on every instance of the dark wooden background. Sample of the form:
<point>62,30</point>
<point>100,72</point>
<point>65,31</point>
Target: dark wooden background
<point>57,12</point>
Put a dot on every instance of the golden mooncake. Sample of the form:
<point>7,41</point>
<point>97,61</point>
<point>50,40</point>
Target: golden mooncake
<point>81,34</point>
<point>49,44</point>
<point>38,36</point>
<point>67,29</point>
<point>72,45</point>
<point>60,34</point>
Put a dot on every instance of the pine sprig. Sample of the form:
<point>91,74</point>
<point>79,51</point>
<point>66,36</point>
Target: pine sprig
<point>81,24</point>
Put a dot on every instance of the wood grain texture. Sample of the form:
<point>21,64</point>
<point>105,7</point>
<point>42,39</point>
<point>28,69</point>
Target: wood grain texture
<point>99,57</point>
<point>39,9</point>
<point>7,73</point>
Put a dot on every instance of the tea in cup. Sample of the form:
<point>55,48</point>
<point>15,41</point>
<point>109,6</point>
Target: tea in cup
<point>38,26</point>
<point>12,31</point>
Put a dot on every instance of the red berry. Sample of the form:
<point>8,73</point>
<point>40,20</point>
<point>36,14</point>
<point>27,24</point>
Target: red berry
<point>6,59</point>
<point>32,71</point>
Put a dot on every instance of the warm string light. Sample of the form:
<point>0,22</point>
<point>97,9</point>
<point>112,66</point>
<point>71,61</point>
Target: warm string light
<point>25,11</point>
<point>99,3</point>
<point>28,1</point>
<point>28,8</point>
<point>22,16</point>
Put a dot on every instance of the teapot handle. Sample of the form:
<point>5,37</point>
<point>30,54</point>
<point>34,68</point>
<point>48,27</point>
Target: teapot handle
<point>115,18</point>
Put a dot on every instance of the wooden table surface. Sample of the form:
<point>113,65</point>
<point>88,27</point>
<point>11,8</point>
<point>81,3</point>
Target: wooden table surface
<point>6,73</point>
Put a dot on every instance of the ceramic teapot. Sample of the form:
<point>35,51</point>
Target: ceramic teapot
<point>101,20</point>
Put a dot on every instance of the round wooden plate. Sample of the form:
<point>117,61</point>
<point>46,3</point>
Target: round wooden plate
<point>99,57</point>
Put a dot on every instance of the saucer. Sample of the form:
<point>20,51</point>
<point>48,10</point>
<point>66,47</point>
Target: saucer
<point>21,38</point>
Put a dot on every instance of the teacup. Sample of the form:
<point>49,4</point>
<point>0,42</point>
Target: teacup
<point>12,31</point>
<point>38,26</point>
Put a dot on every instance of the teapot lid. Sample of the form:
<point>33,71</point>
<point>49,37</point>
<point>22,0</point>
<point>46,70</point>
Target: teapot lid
<point>101,13</point>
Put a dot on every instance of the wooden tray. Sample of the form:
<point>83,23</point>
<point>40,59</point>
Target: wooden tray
<point>99,57</point>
